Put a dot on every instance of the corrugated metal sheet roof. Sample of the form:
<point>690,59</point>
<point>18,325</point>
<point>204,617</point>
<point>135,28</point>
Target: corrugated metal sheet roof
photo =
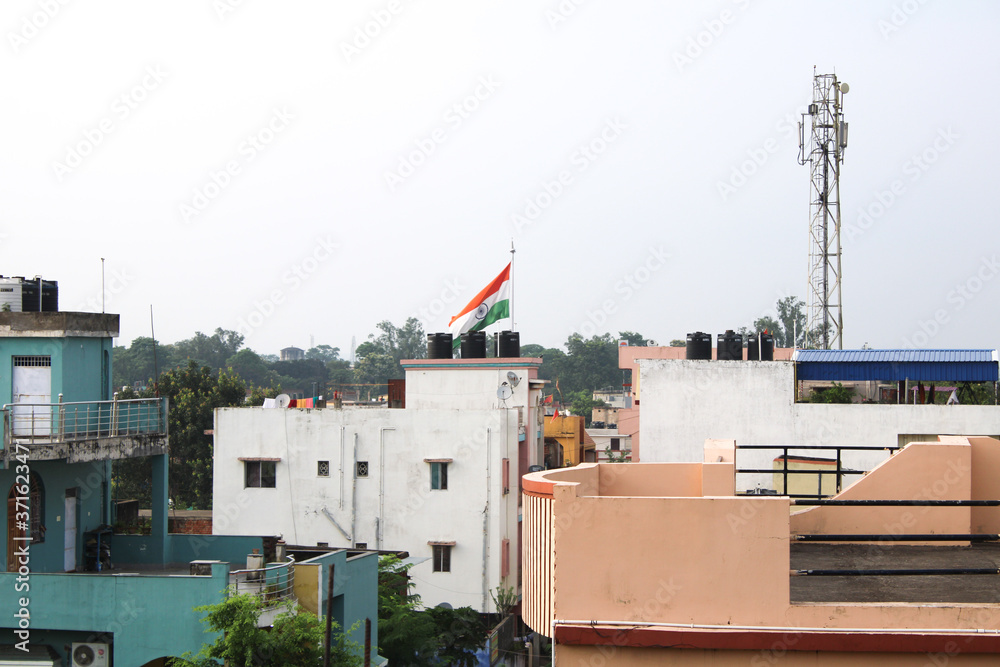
<point>895,356</point>
<point>895,365</point>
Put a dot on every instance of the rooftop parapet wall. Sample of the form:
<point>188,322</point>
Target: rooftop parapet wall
<point>712,561</point>
<point>921,471</point>
<point>62,324</point>
<point>678,571</point>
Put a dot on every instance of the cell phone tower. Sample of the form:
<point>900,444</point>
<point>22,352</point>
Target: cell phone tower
<point>823,151</point>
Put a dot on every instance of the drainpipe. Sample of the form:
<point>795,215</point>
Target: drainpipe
<point>342,468</point>
<point>381,484</point>
<point>486,521</point>
<point>354,490</point>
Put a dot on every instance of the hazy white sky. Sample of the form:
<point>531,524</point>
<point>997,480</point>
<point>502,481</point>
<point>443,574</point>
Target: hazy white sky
<point>295,169</point>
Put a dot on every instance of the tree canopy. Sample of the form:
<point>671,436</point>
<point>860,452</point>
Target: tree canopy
<point>295,640</point>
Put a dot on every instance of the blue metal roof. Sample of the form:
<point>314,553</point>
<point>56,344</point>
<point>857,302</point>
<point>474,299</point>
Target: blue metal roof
<point>895,365</point>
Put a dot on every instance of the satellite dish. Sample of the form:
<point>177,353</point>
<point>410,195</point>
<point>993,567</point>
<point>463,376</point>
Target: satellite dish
<point>282,400</point>
<point>513,379</point>
<point>844,88</point>
<point>504,392</point>
<point>650,343</point>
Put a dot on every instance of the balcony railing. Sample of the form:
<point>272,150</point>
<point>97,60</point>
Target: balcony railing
<point>273,584</point>
<point>84,420</point>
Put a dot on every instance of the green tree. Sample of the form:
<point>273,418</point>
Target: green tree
<point>634,339</point>
<point>250,367</point>
<point>194,393</point>
<point>583,403</point>
<point>532,350</point>
<point>411,636</point>
<point>976,393</point>
<point>324,353</point>
<point>678,342</point>
<point>295,640</point>
<point>788,328</point>
<point>593,364</point>
<point>837,393</point>
<point>372,373</point>
<point>135,363</point>
<point>379,356</point>
<point>302,375</point>
<point>340,375</point>
<point>211,351</point>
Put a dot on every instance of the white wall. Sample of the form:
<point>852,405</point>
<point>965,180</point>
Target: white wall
<point>394,508</point>
<point>686,402</point>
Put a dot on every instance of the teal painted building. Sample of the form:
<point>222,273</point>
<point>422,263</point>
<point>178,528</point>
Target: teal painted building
<point>62,428</point>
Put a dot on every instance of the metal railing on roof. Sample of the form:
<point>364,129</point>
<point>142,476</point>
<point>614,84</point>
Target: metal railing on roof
<point>272,584</point>
<point>839,471</point>
<point>84,420</point>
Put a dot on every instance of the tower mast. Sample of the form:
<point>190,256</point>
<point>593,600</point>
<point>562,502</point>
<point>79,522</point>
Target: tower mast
<point>823,151</point>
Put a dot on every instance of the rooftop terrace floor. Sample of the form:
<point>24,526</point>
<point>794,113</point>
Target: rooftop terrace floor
<point>969,588</point>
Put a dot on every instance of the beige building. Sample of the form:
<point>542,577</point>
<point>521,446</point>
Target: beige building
<point>713,578</point>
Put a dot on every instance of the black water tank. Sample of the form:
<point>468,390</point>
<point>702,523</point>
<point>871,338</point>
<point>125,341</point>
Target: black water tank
<point>509,344</point>
<point>474,345</point>
<point>753,350</point>
<point>699,346</point>
<point>766,347</point>
<point>30,298</point>
<point>439,346</point>
<point>729,347</point>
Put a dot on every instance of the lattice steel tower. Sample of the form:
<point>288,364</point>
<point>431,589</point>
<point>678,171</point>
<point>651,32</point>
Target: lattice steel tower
<point>824,153</point>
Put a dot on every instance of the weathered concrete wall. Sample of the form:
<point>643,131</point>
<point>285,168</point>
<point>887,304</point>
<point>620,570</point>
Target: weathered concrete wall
<point>686,402</point>
<point>394,507</point>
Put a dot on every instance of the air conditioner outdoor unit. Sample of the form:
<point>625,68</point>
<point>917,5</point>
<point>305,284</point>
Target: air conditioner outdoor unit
<point>89,654</point>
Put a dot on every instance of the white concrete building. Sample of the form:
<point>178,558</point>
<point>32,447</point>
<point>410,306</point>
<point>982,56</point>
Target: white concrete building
<point>610,440</point>
<point>438,478</point>
<point>686,402</point>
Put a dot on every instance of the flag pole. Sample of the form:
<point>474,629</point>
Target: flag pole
<point>510,305</point>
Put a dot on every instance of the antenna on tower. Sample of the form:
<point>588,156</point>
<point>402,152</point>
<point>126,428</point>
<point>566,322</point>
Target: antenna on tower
<point>823,151</point>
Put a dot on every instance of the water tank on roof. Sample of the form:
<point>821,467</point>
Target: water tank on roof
<point>766,347</point>
<point>729,346</point>
<point>699,346</point>
<point>32,301</point>
<point>753,347</point>
<point>439,346</point>
<point>474,345</point>
<point>509,345</point>
<point>10,294</point>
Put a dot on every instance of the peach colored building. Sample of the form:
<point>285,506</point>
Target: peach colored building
<point>705,577</point>
<point>628,359</point>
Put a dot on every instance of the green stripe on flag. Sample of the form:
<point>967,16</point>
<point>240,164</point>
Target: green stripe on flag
<point>499,311</point>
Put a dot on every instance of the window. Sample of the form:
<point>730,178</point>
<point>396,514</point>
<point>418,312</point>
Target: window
<point>361,469</point>
<point>439,476</point>
<point>442,556</point>
<point>616,444</point>
<point>363,546</point>
<point>323,468</point>
<point>32,361</point>
<point>260,474</point>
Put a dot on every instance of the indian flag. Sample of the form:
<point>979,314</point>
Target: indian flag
<point>490,305</point>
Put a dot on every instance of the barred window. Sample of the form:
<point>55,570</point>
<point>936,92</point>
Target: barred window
<point>323,468</point>
<point>35,361</point>
<point>442,557</point>
<point>362,468</point>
